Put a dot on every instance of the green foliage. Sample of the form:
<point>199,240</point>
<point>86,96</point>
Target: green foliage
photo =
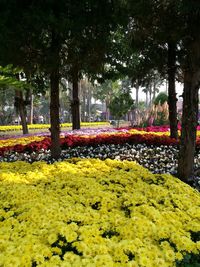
<point>189,260</point>
<point>106,90</point>
<point>40,83</point>
<point>141,105</point>
<point>8,77</point>
<point>161,119</point>
<point>120,105</point>
<point>161,98</point>
<point>6,105</point>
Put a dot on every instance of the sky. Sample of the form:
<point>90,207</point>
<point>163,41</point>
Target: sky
<point>163,88</point>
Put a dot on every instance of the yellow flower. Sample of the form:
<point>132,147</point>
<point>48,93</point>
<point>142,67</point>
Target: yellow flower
<point>179,256</point>
<point>81,200</point>
<point>170,255</point>
<point>52,238</point>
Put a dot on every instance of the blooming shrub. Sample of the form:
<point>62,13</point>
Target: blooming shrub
<point>95,213</point>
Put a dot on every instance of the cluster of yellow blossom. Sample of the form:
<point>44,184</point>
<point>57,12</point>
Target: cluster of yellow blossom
<point>88,212</point>
<point>46,126</point>
<point>20,141</point>
<point>167,133</point>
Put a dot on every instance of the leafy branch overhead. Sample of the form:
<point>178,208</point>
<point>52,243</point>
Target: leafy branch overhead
<point>8,77</point>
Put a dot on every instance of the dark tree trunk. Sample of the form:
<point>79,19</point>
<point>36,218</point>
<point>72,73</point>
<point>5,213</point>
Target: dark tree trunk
<point>29,98</point>
<point>54,115</point>
<point>75,102</point>
<point>137,95</point>
<point>107,101</point>
<point>54,97</point>
<point>21,109</point>
<point>190,111</point>
<point>189,125</point>
<point>172,90</point>
<point>89,99</point>
<point>82,89</point>
<point>150,95</point>
<point>147,99</point>
<point>31,109</point>
<point>154,91</point>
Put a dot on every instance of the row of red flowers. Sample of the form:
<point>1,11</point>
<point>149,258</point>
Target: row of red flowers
<point>75,140</point>
<point>163,128</point>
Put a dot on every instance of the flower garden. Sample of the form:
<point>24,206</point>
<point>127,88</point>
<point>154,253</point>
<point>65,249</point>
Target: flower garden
<point>46,126</point>
<point>110,200</point>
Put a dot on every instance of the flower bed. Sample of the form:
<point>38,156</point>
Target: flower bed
<point>88,138</point>
<point>163,128</point>
<point>46,126</point>
<point>96,213</point>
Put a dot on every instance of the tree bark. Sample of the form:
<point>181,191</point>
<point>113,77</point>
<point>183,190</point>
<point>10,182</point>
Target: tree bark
<point>107,101</point>
<point>172,90</point>
<point>82,90</point>
<point>147,100</point>
<point>75,102</point>
<point>89,100</point>
<point>189,126</point>
<point>54,97</point>
<point>150,95</point>
<point>154,91</point>
<point>137,94</point>
<point>190,112</point>
<point>20,106</point>
<point>31,108</point>
<point>54,114</point>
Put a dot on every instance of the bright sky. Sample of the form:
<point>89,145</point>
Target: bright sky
<point>163,88</point>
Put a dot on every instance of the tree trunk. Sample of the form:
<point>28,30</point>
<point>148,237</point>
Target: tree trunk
<point>150,95</point>
<point>54,97</point>
<point>82,90</point>
<point>147,100</point>
<point>154,91</point>
<point>20,106</point>
<point>54,114</point>
<point>172,90</point>
<point>136,95</point>
<point>75,102</point>
<point>89,101</point>
<point>190,111</point>
<point>189,125</point>
<point>107,109</point>
<point>31,108</point>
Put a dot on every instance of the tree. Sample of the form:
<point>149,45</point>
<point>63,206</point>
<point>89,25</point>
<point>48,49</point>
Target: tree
<point>190,13</point>
<point>87,46</point>
<point>51,34</point>
<point>6,105</point>
<point>174,24</point>
<point>122,101</point>
<point>120,105</point>
<point>105,92</point>
<point>151,25</point>
<point>10,77</point>
<point>161,98</point>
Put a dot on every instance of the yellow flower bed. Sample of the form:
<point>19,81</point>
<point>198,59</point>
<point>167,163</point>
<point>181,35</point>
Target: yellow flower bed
<point>84,212</point>
<point>46,126</point>
<point>134,131</point>
<point>20,141</point>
